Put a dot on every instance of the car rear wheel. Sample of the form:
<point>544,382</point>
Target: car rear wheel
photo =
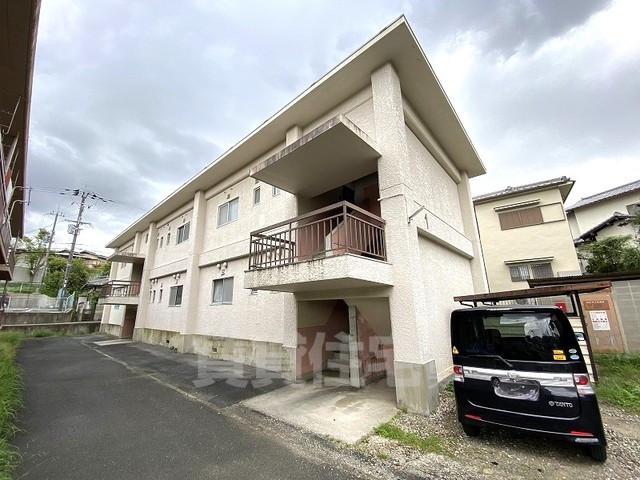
<point>598,453</point>
<point>471,430</point>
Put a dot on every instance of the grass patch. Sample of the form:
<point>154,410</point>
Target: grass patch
<point>431,443</point>
<point>619,380</point>
<point>10,401</point>
<point>43,332</point>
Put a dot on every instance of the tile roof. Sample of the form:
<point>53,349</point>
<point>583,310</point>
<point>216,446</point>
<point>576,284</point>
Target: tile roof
<point>614,192</point>
<point>522,189</point>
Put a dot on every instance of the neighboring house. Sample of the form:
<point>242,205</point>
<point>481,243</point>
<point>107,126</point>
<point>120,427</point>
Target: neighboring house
<point>18,27</point>
<point>525,234</point>
<point>605,214</point>
<point>21,271</point>
<point>333,237</point>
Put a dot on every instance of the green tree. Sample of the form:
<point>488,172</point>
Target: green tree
<point>612,255</point>
<point>78,276</point>
<point>104,270</point>
<point>35,249</point>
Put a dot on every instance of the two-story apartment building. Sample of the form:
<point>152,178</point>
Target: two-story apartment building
<point>525,233</point>
<point>334,236</point>
<point>18,31</point>
<point>605,214</point>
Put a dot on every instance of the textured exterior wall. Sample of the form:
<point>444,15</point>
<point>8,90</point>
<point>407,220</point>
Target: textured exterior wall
<point>435,189</point>
<point>449,274</point>
<point>551,239</point>
<point>252,316</point>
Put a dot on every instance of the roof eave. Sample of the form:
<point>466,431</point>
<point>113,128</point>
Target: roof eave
<point>396,44</point>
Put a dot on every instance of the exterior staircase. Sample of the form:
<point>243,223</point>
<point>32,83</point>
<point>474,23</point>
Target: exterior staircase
<point>338,368</point>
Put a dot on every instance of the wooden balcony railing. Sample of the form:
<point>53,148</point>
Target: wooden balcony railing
<point>334,230</point>
<point>117,288</point>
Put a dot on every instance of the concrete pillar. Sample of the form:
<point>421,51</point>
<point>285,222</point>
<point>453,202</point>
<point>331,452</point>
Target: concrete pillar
<point>354,351</point>
<point>192,276</point>
<point>478,273</point>
<point>415,373</point>
<point>145,281</point>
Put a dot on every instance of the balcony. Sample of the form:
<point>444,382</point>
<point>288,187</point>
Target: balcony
<point>339,246</point>
<point>117,292</point>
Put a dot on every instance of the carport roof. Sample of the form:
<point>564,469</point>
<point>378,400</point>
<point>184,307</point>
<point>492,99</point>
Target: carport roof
<point>534,292</point>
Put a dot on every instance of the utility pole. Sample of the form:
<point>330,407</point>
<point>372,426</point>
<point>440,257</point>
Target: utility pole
<point>76,231</point>
<point>46,256</point>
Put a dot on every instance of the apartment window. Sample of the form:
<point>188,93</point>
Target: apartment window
<point>256,195</point>
<point>183,233</point>
<point>276,191</point>
<point>228,212</point>
<point>168,238</point>
<point>160,296</point>
<point>525,271</point>
<point>161,240</point>
<point>520,218</point>
<point>175,296</point>
<point>146,238</point>
<point>153,296</point>
<point>150,295</point>
<point>223,291</point>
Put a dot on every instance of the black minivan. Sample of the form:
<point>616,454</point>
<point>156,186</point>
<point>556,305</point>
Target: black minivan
<point>521,367</point>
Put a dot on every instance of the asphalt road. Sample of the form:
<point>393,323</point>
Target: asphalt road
<point>90,415</point>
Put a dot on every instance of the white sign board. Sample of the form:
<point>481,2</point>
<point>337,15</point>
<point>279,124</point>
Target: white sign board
<point>599,320</point>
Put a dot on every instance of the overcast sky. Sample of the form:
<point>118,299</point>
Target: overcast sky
<point>133,98</point>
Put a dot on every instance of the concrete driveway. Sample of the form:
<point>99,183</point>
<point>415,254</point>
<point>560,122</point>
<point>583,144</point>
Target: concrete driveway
<point>133,412</point>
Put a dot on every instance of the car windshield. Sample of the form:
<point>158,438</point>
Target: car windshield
<point>529,335</point>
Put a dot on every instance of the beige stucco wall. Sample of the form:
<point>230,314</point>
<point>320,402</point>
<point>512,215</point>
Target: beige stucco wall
<point>252,316</point>
<point>549,239</point>
<point>449,274</point>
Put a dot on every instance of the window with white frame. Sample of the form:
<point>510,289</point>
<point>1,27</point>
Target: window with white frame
<point>183,233</point>
<point>256,195</point>
<point>228,212</point>
<point>223,291</point>
<point>161,240</point>
<point>276,191</point>
<point>153,296</point>
<point>168,238</point>
<point>160,296</point>
<point>175,296</point>
<point>526,271</point>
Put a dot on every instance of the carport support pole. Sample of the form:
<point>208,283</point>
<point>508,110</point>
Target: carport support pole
<point>586,335</point>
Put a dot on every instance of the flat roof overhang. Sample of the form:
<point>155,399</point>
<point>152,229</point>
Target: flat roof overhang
<point>126,257</point>
<point>333,154</point>
<point>395,44</point>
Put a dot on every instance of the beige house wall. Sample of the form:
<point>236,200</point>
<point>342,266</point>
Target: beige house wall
<point>585,218</point>
<point>549,239</point>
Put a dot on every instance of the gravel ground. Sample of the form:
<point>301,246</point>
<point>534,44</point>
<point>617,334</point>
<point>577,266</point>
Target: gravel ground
<point>503,454</point>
